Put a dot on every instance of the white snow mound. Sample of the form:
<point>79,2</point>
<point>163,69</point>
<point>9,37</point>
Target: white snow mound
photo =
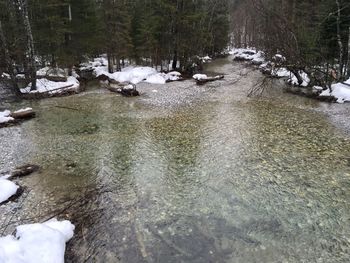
<point>340,91</point>
<point>37,243</point>
<point>45,85</point>
<point>200,76</point>
<point>5,116</point>
<point>7,189</point>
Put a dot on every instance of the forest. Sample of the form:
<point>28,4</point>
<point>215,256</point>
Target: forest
<point>65,33</point>
<point>313,36</point>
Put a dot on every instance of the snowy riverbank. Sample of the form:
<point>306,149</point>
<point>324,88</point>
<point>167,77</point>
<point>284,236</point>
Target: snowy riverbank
<point>45,85</point>
<point>33,243</point>
<point>340,91</point>
<point>131,74</point>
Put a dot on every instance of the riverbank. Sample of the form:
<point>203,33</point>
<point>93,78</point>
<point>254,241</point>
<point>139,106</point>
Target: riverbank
<point>299,81</point>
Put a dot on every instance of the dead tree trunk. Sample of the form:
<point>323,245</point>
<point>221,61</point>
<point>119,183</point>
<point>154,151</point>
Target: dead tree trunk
<point>110,63</point>
<point>340,43</point>
<point>30,51</point>
<point>174,65</point>
<point>348,62</point>
<point>8,61</point>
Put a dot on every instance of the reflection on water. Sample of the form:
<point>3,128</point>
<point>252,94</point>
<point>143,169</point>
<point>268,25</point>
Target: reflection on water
<point>187,174</point>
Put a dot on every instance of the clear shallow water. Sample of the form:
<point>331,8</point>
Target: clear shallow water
<point>188,174</point>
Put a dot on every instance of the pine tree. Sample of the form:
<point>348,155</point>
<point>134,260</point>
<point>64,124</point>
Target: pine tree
<point>116,28</point>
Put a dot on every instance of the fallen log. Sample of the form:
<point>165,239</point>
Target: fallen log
<point>180,79</point>
<point>126,91</point>
<point>211,79</point>
<point>23,114</point>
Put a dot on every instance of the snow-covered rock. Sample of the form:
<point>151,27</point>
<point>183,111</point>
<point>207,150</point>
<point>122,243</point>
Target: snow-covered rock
<point>173,76</point>
<point>5,116</point>
<point>205,59</point>
<point>44,85</point>
<point>7,189</point>
<point>37,243</point>
<point>279,58</point>
<point>248,54</point>
<point>281,73</point>
<point>200,76</point>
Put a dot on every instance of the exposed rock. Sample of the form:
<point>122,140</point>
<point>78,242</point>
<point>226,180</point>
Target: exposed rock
<point>24,170</point>
<point>129,91</point>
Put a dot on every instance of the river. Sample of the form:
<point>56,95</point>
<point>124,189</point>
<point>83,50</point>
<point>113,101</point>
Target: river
<point>188,173</point>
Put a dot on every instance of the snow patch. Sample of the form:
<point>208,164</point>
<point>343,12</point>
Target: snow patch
<point>5,116</point>
<point>200,76</point>
<point>173,76</point>
<point>45,85</point>
<point>256,57</point>
<point>37,243</point>
<point>156,79</point>
<point>130,74</point>
<point>340,91</point>
<point>294,81</point>
<point>7,189</point>
<point>5,76</point>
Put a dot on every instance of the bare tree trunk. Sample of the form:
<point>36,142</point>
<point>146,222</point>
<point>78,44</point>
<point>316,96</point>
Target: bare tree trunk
<point>348,62</point>
<point>110,63</point>
<point>174,65</point>
<point>340,43</point>
<point>30,56</point>
<point>8,60</point>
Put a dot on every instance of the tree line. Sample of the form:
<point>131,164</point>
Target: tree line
<point>313,35</point>
<point>65,33</point>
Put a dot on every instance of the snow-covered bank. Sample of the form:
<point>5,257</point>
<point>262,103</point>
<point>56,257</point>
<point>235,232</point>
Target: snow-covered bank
<point>130,74</point>
<point>7,189</point>
<point>136,75</point>
<point>258,58</point>
<point>37,243</point>
<point>340,91</point>
<point>47,86</point>
<point>52,81</point>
